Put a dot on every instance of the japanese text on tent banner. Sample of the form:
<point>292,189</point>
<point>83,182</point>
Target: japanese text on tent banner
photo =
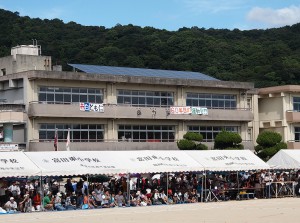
<point>188,111</point>
<point>91,107</point>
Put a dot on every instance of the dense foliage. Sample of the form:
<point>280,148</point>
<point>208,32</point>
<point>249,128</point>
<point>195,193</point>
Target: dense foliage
<point>228,140</point>
<point>266,57</point>
<point>269,143</point>
<point>191,141</point>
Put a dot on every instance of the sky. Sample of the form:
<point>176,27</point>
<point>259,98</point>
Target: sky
<point>164,14</point>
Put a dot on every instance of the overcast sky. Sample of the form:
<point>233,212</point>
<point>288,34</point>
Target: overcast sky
<point>164,14</point>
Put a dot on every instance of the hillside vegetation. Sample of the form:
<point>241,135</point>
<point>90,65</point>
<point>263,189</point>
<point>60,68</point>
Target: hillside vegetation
<point>265,57</point>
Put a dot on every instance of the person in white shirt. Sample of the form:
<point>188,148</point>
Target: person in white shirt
<point>15,189</point>
<point>268,181</point>
<point>11,205</point>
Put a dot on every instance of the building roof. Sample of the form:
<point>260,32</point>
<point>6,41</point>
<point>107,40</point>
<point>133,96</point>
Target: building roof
<point>279,89</point>
<point>141,72</point>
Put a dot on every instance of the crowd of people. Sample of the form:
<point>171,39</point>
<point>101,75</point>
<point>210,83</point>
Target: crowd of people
<point>119,191</point>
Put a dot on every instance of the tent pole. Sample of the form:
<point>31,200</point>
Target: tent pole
<point>128,190</point>
<point>167,184</point>
<point>202,184</point>
<point>41,193</point>
<point>238,184</point>
<point>205,184</point>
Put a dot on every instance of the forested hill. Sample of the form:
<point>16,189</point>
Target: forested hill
<point>266,57</point>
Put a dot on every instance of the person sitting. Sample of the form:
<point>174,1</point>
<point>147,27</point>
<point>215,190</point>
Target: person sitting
<point>26,204</point>
<point>36,201</point>
<point>48,201</point>
<point>156,198</point>
<point>163,197</point>
<point>57,202</point>
<point>11,205</point>
<point>106,200</point>
<point>68,203</point>
<point>120,200</point>
<point>96,199</point>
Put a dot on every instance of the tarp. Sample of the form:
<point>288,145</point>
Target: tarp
<point>158,161</point>
<point>17,164</point>
<point>68,163</point>
<point>285,159</point>
<point>228,160</point>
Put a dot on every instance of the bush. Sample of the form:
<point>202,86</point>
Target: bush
<point>268,138</point>
<point>227,140</point>
<point>201,147</point>
<point>185,144</point>
<point>269,143</point>
<point>193,136</point>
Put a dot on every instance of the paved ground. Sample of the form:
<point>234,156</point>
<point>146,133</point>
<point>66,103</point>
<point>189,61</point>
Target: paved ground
<point>284,210</point>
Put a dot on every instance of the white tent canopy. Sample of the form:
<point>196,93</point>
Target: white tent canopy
<point>71,163</point>
<point>286,159</point>
<point>228,160</point>
<point>68,163</point>
<point>158,161</point>
<point>17,164</point>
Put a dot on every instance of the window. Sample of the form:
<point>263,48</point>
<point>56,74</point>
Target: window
<point>146,133</point>
<point>61,95</point>
<point>78,132</point>
<point>145,98</point>
<point>210,132</point>
<point>215,101</point>
<point>3,72</point>
<point>296,103</point>
<point>297,134</point>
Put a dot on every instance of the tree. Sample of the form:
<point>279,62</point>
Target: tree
<point>228,140</point>
<point>191,141</point>
<point>269,143</point>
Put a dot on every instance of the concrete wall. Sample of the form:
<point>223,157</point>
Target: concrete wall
<point>270,109</point>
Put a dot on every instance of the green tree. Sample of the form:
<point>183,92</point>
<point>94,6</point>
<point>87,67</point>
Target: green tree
<point>228,140</point>
<point>269,143</point>
<point>191,141</point>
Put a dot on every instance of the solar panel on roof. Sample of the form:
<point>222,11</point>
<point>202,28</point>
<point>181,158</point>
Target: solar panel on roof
<point>141,72</point>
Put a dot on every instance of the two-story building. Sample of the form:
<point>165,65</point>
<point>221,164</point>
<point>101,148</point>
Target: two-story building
<point>116,108</point>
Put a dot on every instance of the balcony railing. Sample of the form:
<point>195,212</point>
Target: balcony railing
<point>12,108</point>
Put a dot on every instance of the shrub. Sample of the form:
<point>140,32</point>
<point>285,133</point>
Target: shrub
<point>201,147</point>
<point>193,136</point>
<point>185,144</point>
<point>227,139</point>
<point>268,138</point>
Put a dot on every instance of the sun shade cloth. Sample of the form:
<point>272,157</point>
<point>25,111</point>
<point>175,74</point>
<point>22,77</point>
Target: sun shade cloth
<point>228,160</point>
<point>159,161</point>
<point>68,163</point>
<point>285,159</point>
<point>17,164</point>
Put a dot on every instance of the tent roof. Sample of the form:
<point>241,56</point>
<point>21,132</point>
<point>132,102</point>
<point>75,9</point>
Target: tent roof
<point>228,160</point>
<point>286,159</point>
<point>17,164</point>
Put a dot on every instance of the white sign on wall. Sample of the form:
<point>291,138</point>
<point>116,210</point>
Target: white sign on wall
<point>188,110</point>
<point>86,106</point>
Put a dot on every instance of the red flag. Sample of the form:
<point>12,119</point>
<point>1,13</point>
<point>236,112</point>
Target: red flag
<point>56,141</point>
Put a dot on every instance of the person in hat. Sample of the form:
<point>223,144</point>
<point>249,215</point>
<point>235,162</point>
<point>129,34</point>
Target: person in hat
<point>11,205</point>
<point>57,202</point>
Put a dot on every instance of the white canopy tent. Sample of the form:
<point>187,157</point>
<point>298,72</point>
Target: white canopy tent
<point>158,161</point>
<point>286,159</point>
<point>68,163</point>
<point>228,160</point>
<point>17,164</point>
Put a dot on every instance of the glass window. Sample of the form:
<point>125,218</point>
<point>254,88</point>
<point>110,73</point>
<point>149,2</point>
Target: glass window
<point>147,133</point>
<point>217,101</point>
<point>78,133</point>
<point>145,98</point>
<point>70,95</point>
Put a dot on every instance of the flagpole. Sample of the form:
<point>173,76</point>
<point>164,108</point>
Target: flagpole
<point>68,141</point>
<point>56,141</point>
